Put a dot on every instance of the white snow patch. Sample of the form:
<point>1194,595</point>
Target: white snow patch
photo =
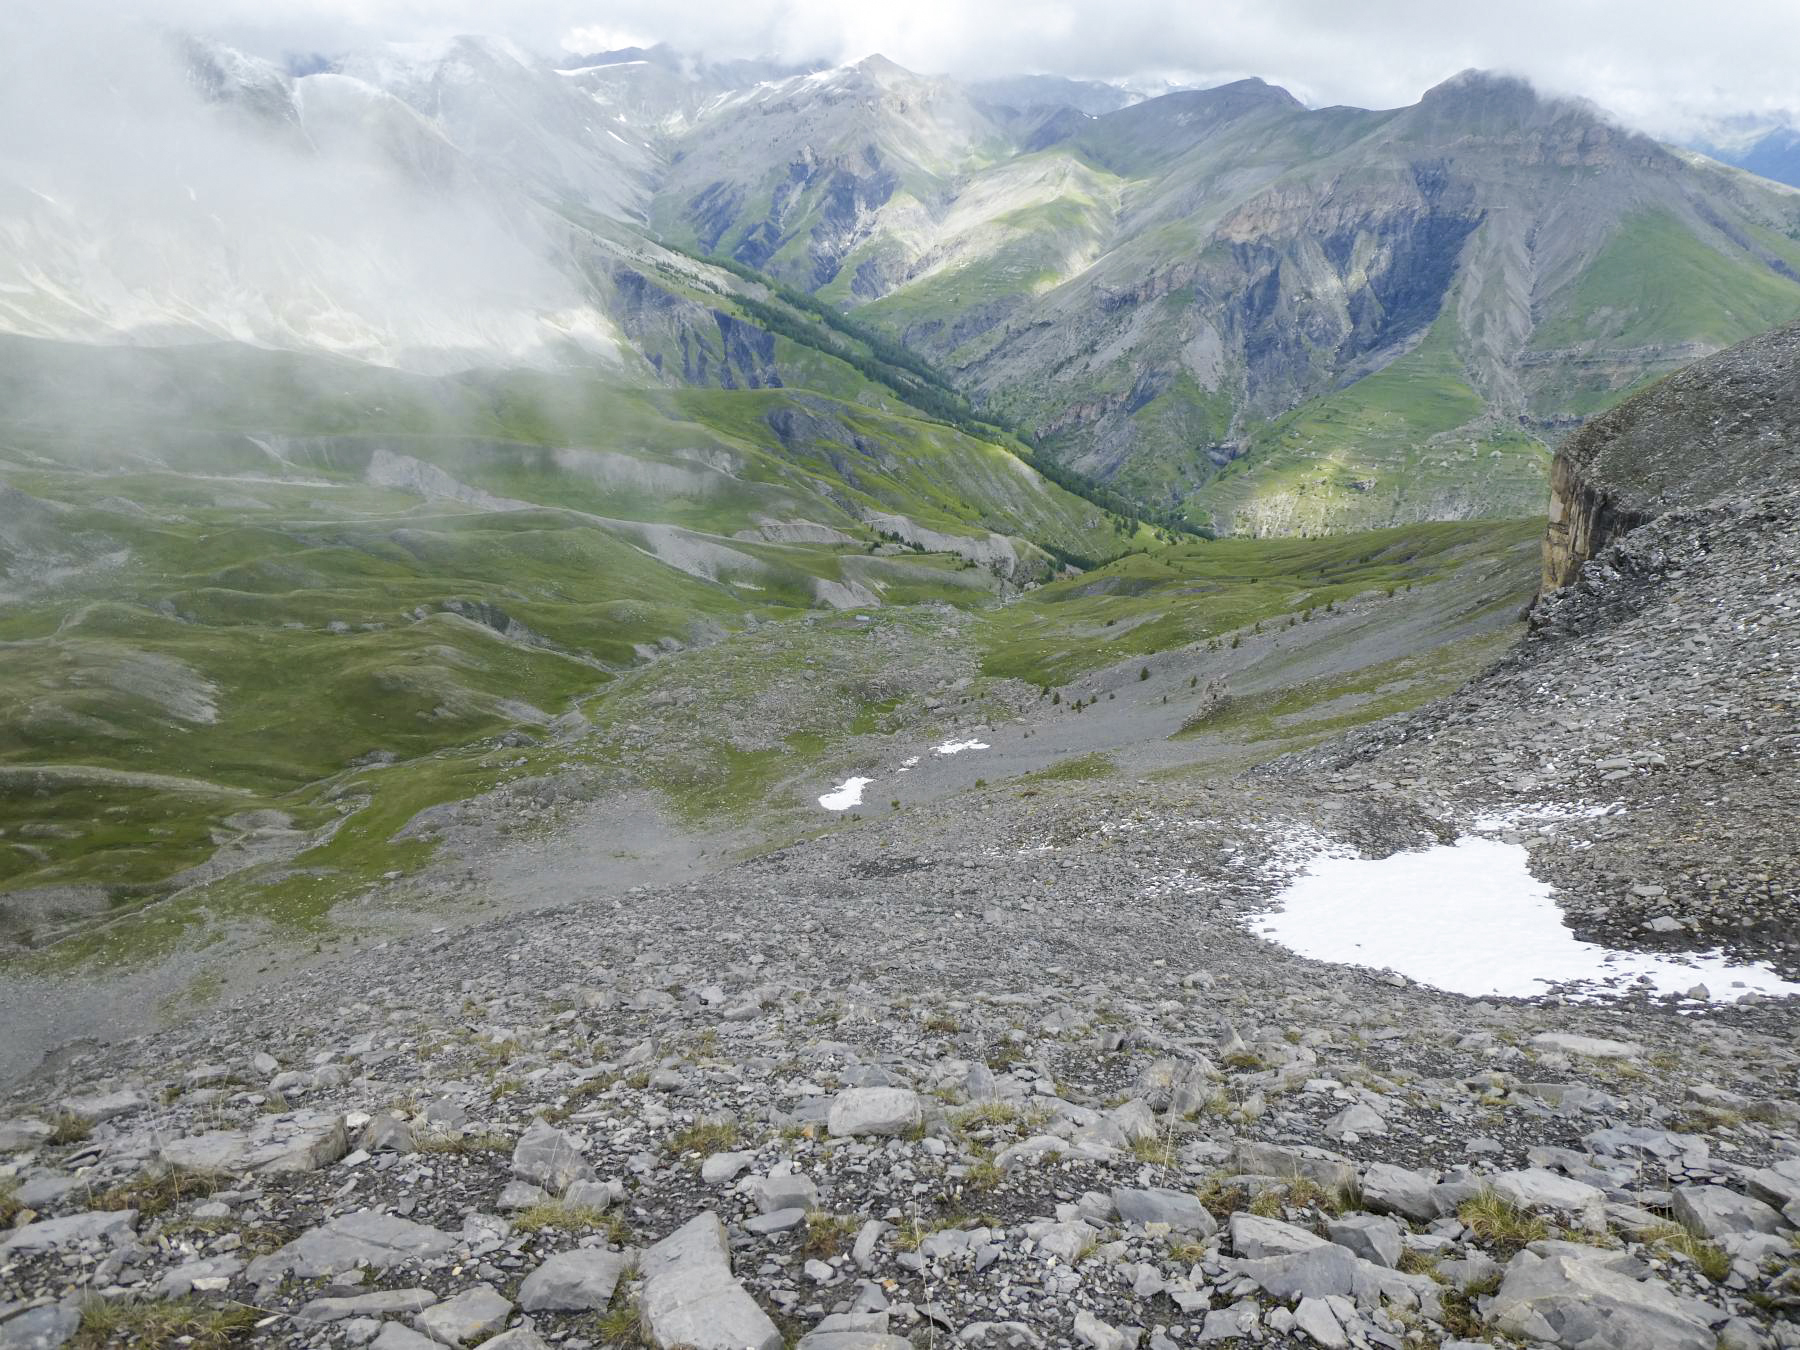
<point>957,747</point>
<point>1538,814</point>
<point>845,795</point>
<point>1471,919</point>
<point>911,763</point>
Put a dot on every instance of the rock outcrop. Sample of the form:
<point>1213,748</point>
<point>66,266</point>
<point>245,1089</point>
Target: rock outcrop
<point>1721,426</point>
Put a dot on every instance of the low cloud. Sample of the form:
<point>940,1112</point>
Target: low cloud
<point>1664,65</point>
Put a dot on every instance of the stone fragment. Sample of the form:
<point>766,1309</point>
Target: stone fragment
<point>1371,1236</point>
<point>1717,1211</point>
<point>23,1132</point>
<point>691,1299</point>
<point>1355,1121</point>
<point>1236,1323</point>
<point>386,1133</point>
<point>99,1106</point>
<point>1317,1272</point>
<point>519,1338</point>
<point>41,1328</point>
<point>1536,1188</point>
<point>105,1225</point>
<point>378,1304</point>
<point>364,1237</point>
<point>1097,1335</point>
<point>1583,1305</point>
<point>550,1158</point>
<point>784,1190</point>
<point>475,1313</point>
<point>723,1167</point>
<point>1181,1210</point>
<point>874,1111</point>
<point>393,1336</point>
<point>1330,1170</point>
<point>1387,1189</point>
<point>297,1141</point>
<point>1314,1318</point>
<point>1253,1236</point>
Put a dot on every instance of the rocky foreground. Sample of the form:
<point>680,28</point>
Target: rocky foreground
<point>1009,1077</point>
<point>1009,1070</point>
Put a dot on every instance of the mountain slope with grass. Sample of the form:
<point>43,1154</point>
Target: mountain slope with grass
<point>1272,318</point>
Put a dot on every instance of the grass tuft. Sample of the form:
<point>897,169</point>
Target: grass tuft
<point>827,1235</point>
<point>69,1128</point>
<point>705,1138</point>
<point>153,1324</point>
<point>555,1216</point>
<point>1497,1221</point>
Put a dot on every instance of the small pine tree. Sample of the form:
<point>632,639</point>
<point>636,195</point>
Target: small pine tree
<point>1143,673</point>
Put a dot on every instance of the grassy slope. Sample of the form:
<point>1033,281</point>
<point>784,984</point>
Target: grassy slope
<point>1656,283</point>
<point>1196,590</point>
<point>312,614</point>
<point>1365,454</point>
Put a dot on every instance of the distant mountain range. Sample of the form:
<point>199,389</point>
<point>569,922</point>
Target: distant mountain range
<point>1222,303</point>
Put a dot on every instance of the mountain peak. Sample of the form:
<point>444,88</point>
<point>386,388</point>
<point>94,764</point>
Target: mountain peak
<point>878,67</point>
<point>1485,91</point>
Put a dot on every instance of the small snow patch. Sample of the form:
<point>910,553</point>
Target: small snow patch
<point>911,763</point>
<point>957,747</point>
<point>845,795</point>
<point>1471,919</point>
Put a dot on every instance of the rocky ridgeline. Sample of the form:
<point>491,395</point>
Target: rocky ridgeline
<point>1724,426</point>
<point>1044,1090</point>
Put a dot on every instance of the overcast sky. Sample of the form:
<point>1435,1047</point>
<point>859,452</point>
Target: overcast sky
<point>1659,64</point>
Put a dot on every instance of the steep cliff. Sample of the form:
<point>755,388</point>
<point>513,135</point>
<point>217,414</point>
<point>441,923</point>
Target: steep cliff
<point>1723,425</point>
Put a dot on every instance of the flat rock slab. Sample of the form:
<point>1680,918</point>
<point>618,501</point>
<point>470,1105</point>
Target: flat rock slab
<point>576,1281</point>
<point>393,1336</point>
<point>1718,1212</point>
<point>23,1132</point>
<point>106,1225</point>
<point>100,1106</point>
<point>1535,1188</point>
<point>1387,1189</point>
<point>550,1158</point>
<point>690,1298</point>
<point>1586,1306</point>
<point>299,1142</point>
<point>44,1328</point>
<point>378,1304</point>
<point>1181,1210</point>
<point>365,1238</point>
<point>519,1338</point>
<point>874,1110</point>
<point>471,1315</point>
<point>1333,1171</point>
<point>1253,1236</point>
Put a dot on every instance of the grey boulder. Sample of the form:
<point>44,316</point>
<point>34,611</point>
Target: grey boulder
<point>1584,1305</point>
<point>1181,1210</point>
<point>874,1110</point>
<point>106,1225</point>
<point>1254,1237</point>
<point>576,1281</point>
<point>363,1238</point>
<point>475,1313</point>
<point>691,1299</point>
<point>1717,1211</point>
<point>548,1157</point>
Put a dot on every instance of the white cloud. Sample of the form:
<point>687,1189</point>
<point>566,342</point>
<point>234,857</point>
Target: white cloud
<point>1659,64</point>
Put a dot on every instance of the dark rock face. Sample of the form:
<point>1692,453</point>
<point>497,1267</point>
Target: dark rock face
<point>1721,426</point>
